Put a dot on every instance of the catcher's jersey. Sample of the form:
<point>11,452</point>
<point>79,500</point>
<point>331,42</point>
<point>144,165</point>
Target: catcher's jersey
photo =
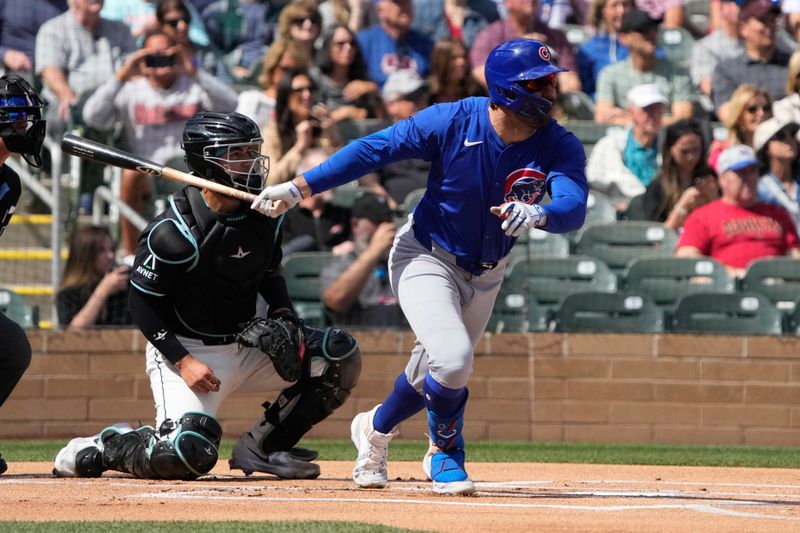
<point>206,267</point>
<point>471,170</point>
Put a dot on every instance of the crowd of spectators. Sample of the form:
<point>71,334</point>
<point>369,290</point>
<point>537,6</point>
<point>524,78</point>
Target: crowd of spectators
<point>132,71</point>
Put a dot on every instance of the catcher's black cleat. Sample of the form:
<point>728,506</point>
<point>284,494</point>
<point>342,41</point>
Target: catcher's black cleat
<point>304,454</point>
<point>248,458</point>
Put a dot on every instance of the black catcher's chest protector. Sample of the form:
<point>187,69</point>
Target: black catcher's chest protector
<point>218,292</point>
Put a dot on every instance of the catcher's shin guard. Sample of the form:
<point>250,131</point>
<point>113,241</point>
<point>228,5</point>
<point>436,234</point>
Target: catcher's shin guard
<point>182,449</point>
<point>333,367</point>
<point>444,461</point>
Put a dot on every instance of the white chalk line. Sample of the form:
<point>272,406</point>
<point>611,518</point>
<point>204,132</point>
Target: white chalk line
<point>700,508</point>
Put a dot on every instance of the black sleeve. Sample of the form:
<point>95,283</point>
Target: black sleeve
<point>146,313</point>
<point>10,189</point>
<point>273,287</point>
<point>69,302</point>
<point>652,201</point>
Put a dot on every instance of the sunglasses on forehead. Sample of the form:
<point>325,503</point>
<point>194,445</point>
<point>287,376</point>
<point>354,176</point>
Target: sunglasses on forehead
<point>538,84</point>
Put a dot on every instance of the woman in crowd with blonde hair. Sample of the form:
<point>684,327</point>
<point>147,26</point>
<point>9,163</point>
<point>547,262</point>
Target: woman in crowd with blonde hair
<point>94,291</point>
<point>748,107</point>
<point>282,55</point>
<point>788,108</point>
<point>301,22</point>
<point>450,78</point>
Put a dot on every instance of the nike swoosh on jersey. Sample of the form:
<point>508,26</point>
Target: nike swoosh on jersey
<point>469,143</point>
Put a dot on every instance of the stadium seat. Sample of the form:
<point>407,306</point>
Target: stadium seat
<point>351,129</point>
<point>549,279</point>
<point>793,320</point>
<point>346,194</point>
<point>576,105</point>
<point>517,312</point>
<point>619,242</point>
<point>699,14</point>
<point>410,202</point>
<point>667,279</point>
<point>302,271</point>
<point>677,44</point>
<point>538,243</point>
<point>619,312</point>
<point>587,131</point>
<point>576,34</point>
<point>15,307</point>
<point>737,313</point>
<point>777,278</point>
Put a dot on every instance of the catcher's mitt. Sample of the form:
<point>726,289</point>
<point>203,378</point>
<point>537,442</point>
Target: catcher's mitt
<point>282,340</point>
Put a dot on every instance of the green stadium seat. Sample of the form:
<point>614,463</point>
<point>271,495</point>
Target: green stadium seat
<point>549,279</point>
<point>619,242</point>
<point>517,312</point>
<point>410,201</point>
<point>538,243</point>
<point>618,312</point>
<point>15,307</point>
<point>302,272</point>
<point>668,279</point>
<point>740,313</point>
<point>777,278</point>
<point>793,320</point>
<point>587,131</point>
<point>351,129</point>
<point>677,44</point>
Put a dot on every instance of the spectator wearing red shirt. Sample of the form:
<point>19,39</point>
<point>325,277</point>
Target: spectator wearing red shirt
<point>738,229</point>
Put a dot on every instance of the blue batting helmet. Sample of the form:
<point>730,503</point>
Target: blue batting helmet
<point>512,63</point>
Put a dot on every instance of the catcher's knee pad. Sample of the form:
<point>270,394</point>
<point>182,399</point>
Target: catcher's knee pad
<point>182,449</point>
<point>334,364</point>
<point>186,448</point>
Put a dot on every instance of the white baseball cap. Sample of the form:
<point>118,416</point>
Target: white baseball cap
<point>646,94</point>
<point>736,158</point>
<point>767,130</point>
<point>401,83</point>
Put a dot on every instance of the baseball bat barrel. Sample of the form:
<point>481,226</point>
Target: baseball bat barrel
<point>102,153</point>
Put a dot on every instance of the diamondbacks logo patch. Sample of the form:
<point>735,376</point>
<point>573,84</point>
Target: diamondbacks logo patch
<point>524,185</point>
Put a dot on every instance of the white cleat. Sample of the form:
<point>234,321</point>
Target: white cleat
<point>82,456</point>
<point>373,451</point>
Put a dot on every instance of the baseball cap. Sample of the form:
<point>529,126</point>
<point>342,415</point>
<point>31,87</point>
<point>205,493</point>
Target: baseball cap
<point>401,83</point>
<point>372,207</point>
<point>735,158</point>
<point>767,130</point>
<point>646,94</point>
<point>638,21</point>
<point>758,9</point>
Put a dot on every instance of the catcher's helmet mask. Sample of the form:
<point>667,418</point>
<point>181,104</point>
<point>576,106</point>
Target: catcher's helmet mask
<point>226,147</point>
<point>515,71</point>
<point>21,126</point>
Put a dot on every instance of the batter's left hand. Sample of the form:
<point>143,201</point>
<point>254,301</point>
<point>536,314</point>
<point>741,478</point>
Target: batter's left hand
<point>277,199</point>
<point>519,216</point>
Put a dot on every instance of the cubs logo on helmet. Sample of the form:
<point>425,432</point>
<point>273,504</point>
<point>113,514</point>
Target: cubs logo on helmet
<point>524,185</point>
<point>544,53</point>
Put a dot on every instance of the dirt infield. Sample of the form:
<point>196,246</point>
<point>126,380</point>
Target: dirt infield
<point>511,497</point>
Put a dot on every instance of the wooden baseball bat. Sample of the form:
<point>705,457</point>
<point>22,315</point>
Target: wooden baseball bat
<point>95,151</point>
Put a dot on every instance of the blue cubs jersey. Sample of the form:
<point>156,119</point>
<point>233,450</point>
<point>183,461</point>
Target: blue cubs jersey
<point>471,170</point>
<point>383,55</point>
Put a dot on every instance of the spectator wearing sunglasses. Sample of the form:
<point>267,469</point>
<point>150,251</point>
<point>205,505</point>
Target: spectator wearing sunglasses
<point>344,85</point>
<point>140,17</point>
<point>300,22</point>
<point>748,107</point>
<point>776,146</point>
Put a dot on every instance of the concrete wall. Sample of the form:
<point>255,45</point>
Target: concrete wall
<point>543,387</point>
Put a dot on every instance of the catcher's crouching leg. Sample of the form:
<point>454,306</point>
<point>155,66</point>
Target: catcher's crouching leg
<point>333,365</point>
<point>183,449</point>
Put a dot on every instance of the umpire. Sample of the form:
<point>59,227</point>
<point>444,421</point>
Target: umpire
<point>22,132</point>
<point>199,267</point>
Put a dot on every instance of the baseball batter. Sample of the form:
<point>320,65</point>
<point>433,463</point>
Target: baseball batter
<point>22,132</point>
<point>198,269</point>
<point>493,160</point>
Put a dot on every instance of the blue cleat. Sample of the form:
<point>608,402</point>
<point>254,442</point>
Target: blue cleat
<point>444,461</point>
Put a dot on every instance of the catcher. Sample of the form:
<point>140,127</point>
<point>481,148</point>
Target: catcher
<point>198,269</point>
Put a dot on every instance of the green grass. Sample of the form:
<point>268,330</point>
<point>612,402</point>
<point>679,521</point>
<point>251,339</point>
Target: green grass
<point>198,527</point>
<point>522,452</point>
